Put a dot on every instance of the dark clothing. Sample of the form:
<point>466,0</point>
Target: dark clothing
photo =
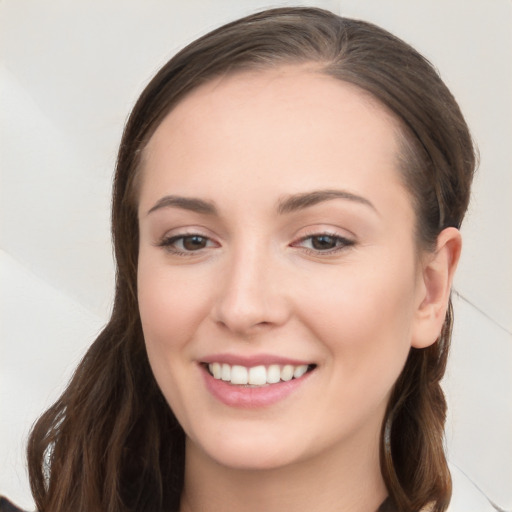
<point>385,507</point>
<point>7,506</point>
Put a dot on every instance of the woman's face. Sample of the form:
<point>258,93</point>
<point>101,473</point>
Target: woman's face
<point>276,238</point>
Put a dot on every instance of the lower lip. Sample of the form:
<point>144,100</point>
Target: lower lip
<point>251,397</point>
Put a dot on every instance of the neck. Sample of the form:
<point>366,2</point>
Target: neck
<point>344,479</point>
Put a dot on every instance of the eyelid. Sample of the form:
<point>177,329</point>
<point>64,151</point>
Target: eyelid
<point>184,231</point>
<point>347,242</point>
<point>166,241</point>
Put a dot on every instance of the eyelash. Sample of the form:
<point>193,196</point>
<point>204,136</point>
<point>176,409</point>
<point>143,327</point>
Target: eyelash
<point>342,243</point>
<point>168,243</point>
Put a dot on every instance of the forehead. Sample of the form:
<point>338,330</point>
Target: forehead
<point>288,127</point>
<point>294,89</point>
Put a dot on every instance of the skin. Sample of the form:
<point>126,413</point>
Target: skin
<point>245,143</point>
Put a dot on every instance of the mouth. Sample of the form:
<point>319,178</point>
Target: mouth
<point>257,376</point>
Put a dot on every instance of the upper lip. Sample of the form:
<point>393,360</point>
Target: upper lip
<point>252,360</point>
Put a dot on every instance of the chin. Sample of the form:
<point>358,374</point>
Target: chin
<point>250,454</point>
<point>253,461</point>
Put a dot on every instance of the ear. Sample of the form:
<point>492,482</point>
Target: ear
<point>436,277</point>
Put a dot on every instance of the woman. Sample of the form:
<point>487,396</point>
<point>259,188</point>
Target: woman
<point>288,195</point>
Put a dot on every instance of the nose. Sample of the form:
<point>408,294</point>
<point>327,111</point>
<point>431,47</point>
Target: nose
<point>252,294</point>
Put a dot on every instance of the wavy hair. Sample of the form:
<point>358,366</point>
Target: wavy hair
<point>111,442</point>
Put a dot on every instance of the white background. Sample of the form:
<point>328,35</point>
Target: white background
<point>70,72</point>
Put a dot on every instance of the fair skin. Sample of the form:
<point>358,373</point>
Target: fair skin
<point>275,230</point>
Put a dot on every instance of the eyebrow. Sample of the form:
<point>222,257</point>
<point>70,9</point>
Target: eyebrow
<point>289,204</point>
<point>186,203</point>
<point>305,200</point>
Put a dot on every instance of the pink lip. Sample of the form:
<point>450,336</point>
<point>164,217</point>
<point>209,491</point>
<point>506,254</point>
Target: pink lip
<point>254,360</point>
<point>251,397</point>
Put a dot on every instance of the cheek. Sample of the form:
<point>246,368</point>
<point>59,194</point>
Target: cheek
<point>171,304</point>
<point>365,318</point>
<point>171,308</point>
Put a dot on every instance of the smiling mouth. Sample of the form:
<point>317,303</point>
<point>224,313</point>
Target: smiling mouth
<point>257,376</point>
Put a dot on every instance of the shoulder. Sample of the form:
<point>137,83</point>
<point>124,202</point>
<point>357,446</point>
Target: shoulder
<point>466,495</point>
<point>7,506</point>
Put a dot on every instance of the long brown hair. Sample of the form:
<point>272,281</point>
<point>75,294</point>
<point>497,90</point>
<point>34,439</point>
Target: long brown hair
<point>111,442</point>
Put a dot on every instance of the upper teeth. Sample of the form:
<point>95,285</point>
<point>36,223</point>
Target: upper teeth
<point>256,375</point>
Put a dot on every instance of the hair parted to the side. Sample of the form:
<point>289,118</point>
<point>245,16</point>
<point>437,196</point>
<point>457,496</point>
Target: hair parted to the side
<point>111,441</point>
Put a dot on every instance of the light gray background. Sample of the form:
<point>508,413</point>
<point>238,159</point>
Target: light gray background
<point>70,72</point>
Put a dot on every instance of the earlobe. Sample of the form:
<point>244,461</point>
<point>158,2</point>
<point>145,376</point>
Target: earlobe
<point>437,277</point>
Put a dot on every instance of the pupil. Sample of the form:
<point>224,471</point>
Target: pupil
<point>192,243</point>
<point>324,242</point>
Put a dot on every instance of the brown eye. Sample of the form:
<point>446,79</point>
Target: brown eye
<point>194,242</point>
<point>186,244</point>
<point>324,242</point>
